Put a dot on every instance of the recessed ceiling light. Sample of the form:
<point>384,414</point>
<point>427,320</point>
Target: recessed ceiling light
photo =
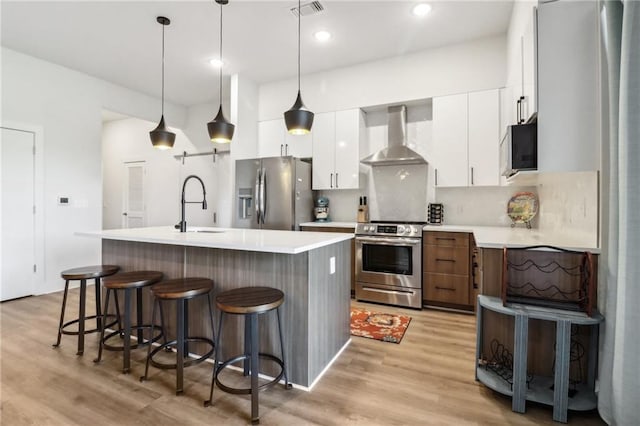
<point>322,35</point>
<point>217,63</point>
<point>421,9</point>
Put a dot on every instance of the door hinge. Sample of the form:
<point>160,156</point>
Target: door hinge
<point>34,209</point>
<point>34,268</point>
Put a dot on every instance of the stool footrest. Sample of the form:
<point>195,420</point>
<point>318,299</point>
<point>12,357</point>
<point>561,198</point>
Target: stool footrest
<point>93,330</point>
<point>137,345</point>
<point>246,391</point>
<point>188,361</point>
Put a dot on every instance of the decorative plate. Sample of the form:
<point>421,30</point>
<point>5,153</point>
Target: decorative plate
<point>522,207</point>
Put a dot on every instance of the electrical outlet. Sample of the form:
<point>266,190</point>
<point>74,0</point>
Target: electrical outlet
<point>332,265</point>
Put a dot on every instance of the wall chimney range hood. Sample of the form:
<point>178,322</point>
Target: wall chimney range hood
<point>397,152</point>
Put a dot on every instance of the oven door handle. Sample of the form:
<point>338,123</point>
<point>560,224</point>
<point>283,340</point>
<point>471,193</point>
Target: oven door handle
<point>404,242</point>
<point>377,290</point>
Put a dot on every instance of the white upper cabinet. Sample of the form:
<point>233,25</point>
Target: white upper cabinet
<point>568,87</point>
<point>451,156</point>
<point>484,138</point>
<point>336,145</point>
<point>466,139</point>
<point>274,141</point>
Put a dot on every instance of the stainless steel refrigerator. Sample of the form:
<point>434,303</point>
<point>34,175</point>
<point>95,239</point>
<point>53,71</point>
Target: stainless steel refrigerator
<point>272,193</point>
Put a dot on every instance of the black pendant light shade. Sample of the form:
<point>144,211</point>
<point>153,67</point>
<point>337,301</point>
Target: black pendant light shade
<point>161,137</point>
<point>298,119</point>
<point>220,130</point>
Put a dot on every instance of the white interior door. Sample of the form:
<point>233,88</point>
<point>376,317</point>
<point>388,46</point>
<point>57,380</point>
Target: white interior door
<point>133,209</point>
<point>18,225</point>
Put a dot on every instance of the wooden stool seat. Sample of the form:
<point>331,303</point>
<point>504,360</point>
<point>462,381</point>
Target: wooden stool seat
<point>88,272</point>
<point>133,279</point>
<point>249,300</point>
<point>182,288</point>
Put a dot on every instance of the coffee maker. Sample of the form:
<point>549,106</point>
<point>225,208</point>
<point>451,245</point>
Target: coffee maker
<point>321,209</point>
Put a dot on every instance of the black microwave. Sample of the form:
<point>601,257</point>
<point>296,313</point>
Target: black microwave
<point>519,149</point>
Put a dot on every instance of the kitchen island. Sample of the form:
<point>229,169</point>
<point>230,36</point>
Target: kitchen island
<point>311,268</point>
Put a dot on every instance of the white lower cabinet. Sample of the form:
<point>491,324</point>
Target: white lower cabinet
<point>275,141</point>
<point>466,139</point>
<point>336,144</point>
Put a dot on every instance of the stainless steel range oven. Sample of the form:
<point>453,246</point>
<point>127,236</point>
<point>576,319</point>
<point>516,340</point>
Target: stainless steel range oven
<point>389,263</point>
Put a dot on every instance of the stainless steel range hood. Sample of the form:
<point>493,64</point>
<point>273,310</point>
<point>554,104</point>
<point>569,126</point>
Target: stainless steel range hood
<point>397,152</point>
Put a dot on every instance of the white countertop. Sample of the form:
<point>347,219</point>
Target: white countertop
<point>503,236</point>
<point>330,224</point>
<point>288,242</point>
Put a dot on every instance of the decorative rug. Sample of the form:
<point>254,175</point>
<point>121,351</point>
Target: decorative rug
<point>378,326</point>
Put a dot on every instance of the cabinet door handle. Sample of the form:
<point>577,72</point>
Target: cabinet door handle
<point>281,146</point>
<point>445,288</point>
<point>331,180</point>
<point>336,180</point>
<point>471,175</point>
<point>445,238</point>
<point>436,177</point>
<point>518,111</point>
<point>286,149</point>
<point>445,260</point>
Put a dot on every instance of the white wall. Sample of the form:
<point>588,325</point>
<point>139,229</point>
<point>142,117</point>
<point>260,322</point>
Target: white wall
<point>446,70</point>
<point>67,105</point>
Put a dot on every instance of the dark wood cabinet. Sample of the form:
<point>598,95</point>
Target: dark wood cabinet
<point>353,247</point>
<point>447,279</point>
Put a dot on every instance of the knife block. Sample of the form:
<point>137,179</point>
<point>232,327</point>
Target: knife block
<point>363,214</point>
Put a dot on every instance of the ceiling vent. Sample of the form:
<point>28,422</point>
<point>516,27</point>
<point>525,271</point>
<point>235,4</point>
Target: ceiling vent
<point>308,9</point>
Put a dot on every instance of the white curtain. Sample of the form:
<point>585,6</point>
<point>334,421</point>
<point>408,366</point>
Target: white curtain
<point>619,293</point>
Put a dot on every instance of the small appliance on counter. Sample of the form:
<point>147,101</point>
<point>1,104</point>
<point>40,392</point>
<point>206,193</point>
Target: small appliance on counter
<point>321,209</point>
<point>435,213</point>
<point>363,211</point>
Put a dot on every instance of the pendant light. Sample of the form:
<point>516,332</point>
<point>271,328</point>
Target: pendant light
<point>220,130</point>
<point>161,137</point>
<point>298,119</point>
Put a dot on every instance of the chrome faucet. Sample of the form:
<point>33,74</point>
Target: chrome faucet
<point>183,223</point>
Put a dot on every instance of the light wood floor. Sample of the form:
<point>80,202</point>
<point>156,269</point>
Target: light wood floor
<point>427,379</point>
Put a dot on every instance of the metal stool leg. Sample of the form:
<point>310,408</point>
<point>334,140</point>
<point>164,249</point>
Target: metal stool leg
<point>216,357</point>
<point>186,328</point>
<point>287,385</point>
<point>153,322</point>
<point>98,305</point>
<point>126,359</point>
<point>180,346</point>
<point>246,364</point>
<point>118,316</point>
<point>139,315</point>
<point>103,326</point>
<point>83,305</point>
<point>64,305</point>
<point>255,369</point>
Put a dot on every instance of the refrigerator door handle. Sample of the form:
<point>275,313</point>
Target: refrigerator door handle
<point>257,197</point>
<point>263,194</point>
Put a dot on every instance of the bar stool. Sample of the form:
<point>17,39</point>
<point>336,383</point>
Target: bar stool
<point>250,302</point>
<point>180,290</point>
<point>128,282</point>
<point>83,274</point>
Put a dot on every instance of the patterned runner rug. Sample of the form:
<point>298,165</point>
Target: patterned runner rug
<point>378,326</point>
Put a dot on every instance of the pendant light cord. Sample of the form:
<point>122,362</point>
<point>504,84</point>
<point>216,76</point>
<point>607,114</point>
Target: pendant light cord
<point>221,62</point>
<point>163,25</point>
<point>299,16</point>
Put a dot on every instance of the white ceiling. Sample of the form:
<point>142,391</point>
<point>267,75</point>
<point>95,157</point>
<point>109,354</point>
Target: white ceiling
<point>120,41</point>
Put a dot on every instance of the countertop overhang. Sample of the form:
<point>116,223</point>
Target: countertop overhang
<point>260,240</point>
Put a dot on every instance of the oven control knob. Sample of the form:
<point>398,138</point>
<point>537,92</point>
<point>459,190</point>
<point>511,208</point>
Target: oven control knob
<point>401,229</point>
